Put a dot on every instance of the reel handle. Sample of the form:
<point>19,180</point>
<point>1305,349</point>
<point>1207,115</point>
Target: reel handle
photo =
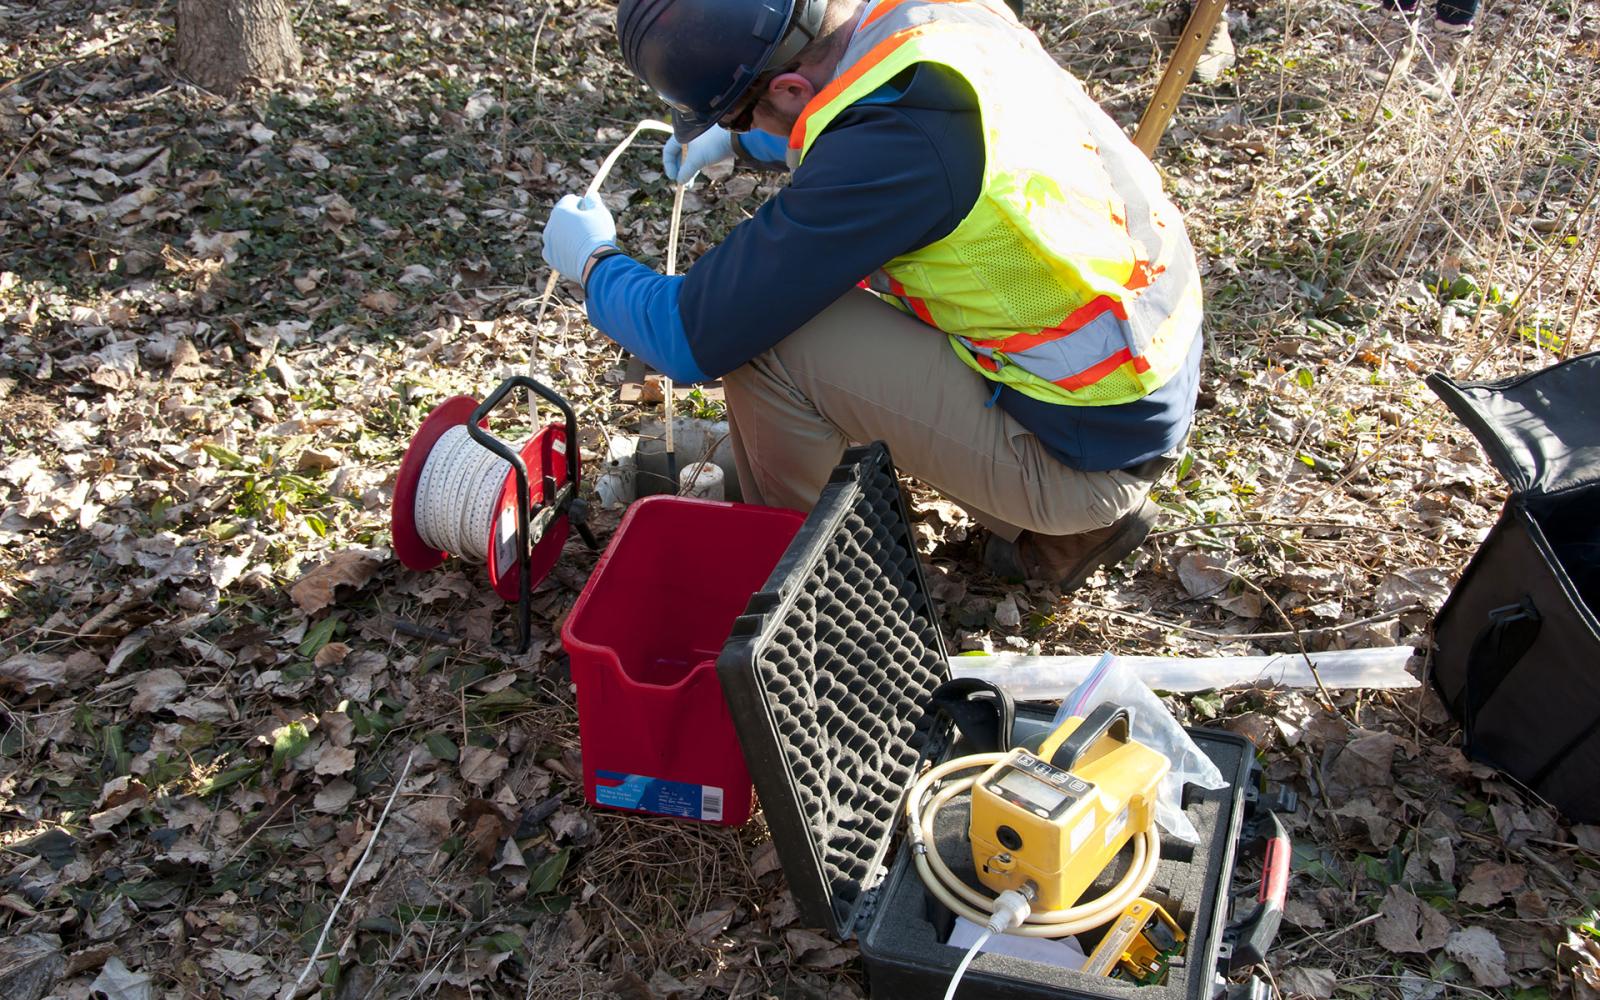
<point>556,500</point>
<point>568,417</point>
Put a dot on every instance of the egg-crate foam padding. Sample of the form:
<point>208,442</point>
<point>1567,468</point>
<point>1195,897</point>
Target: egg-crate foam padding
<point>903,948</point>
<point>828,675</point>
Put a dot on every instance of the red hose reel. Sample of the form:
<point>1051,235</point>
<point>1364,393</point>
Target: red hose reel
<point>538,500</point>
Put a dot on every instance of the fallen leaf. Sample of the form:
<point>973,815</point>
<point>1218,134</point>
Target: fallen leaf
<point>117,982</point>
<point>1366,760</point>
<point>570,824</point>
<point>335,761</point>
<point>480,766</point>
<point>1203,574</point>
<point>1587,836</point>
<point>334,796</point>
<point>1312,984</point>
<point>344,568</point>
<point>664,985</point>
<point>1479,950</point>
<point>1006,614</point>
<point>484,836</point>
<point>332,654</point>
<point>704,926</point>
<point>1407,925</point>
<point>1424,585</point>
<point>156,689</point>
<point>31,674</point>
<point>765,860</point>
<point>104,821</point>
<point>237,964</point>
<point>802,942</point>
<point>29,965</point>
<point>382,301</point>
<point>1491,882</point>
<point>1532,905</point>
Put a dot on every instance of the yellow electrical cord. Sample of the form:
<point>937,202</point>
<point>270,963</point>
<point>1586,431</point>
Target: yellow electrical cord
<point>950,890</point>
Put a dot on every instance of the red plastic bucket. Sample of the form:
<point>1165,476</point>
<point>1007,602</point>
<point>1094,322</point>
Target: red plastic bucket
<point>643,640</point>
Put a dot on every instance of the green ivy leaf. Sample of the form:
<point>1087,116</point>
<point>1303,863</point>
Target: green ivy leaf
<point>289,742</point>
<point>442,747</point>
<point>548,874</point>
<point>318,635</point>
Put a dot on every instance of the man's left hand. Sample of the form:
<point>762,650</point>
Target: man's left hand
<point>577,228</point>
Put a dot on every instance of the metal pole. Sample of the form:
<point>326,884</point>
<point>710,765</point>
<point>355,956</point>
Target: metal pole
<point>1196,33</point>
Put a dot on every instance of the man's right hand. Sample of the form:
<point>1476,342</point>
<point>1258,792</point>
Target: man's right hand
<point>681,163</point>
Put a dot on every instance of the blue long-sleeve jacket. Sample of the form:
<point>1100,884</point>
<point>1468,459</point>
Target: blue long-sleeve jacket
<point>891,174</point>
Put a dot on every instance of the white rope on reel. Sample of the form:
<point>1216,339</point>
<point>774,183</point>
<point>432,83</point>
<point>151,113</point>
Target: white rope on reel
<point>457,494</point>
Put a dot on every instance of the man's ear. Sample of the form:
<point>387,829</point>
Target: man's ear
<point>790,92</point>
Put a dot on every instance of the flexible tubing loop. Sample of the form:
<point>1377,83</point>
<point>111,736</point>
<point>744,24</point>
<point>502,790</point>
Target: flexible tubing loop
<point>647,125</point>
<point>462,481</point>
<point>952,891</point>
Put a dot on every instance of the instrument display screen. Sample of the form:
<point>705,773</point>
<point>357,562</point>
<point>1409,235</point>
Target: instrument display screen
<point>1031,790</point>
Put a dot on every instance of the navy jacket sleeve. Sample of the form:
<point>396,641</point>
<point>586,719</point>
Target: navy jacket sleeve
<point>889,175</point>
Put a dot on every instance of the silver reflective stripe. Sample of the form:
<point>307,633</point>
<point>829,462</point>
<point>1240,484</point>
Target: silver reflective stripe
<point>1070,355</point>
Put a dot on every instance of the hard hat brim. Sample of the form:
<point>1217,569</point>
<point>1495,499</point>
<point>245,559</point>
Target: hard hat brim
<point>687,126</point>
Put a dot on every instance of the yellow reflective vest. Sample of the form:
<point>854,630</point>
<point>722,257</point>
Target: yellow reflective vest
<point>1072,278</point>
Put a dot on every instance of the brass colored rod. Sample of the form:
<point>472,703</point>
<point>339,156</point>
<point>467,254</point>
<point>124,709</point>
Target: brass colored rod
<point>1202,22</point>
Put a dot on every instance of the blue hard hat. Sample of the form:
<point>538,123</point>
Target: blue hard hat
<point>701,56</point>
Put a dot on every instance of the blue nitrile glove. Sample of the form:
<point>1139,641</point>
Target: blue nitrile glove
<point>577,228</point>
<point>682,162</point>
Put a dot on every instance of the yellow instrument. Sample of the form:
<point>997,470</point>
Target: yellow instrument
<point>1138,946</point>
<point>1057,817</point>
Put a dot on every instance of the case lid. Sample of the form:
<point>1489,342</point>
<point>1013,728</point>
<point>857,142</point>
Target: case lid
<point>828,675</point>
<point>1542,429</point>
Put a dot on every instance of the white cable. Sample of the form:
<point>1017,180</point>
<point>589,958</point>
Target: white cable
<point>948,887</point>
<point>672,268</point>
<point>457,493</point>
<point>610,161</point>
<point>961,969</point>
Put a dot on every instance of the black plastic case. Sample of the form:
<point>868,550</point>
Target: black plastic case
<point>828,674</point>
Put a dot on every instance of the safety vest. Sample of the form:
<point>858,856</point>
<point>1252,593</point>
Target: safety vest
<point>1072,279</point>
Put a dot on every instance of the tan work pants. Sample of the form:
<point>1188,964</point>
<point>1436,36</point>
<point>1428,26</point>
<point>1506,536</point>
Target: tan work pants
<point>863,371</point>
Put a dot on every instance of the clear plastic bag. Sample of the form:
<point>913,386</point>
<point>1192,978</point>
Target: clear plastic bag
<point>1111,681</point>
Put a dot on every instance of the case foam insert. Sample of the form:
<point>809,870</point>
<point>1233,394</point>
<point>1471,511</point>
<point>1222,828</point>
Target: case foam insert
<point>909,926</point>
<point>828,675</point>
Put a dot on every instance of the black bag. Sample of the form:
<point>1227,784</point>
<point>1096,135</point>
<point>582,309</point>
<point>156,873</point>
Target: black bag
<point>1517,644</point>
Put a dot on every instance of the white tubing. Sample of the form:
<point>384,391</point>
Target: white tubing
<point>1050,678</point>
<point>672,268</point>
<point>649,124</point>
<point>961,969</point>
<point>961,898</point>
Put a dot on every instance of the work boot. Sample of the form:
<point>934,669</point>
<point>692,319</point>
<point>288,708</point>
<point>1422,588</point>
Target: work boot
<point>1442,52</point>
<point>1068,560</point>
<point>1394,46</point>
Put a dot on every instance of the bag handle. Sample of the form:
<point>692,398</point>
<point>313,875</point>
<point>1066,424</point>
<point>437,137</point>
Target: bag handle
<point>982,712</point>
<point>1500,645</point>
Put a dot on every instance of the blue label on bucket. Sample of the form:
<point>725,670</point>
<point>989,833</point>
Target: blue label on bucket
<point>657,795</point>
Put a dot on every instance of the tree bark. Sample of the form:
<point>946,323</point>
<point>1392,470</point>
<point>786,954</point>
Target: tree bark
<point>223,44</point>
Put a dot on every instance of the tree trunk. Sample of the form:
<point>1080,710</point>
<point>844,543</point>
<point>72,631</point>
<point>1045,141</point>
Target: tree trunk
<point>223,44</point>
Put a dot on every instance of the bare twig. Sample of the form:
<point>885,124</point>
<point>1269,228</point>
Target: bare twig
<point>350,879</point>
<point>1233,637</point>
